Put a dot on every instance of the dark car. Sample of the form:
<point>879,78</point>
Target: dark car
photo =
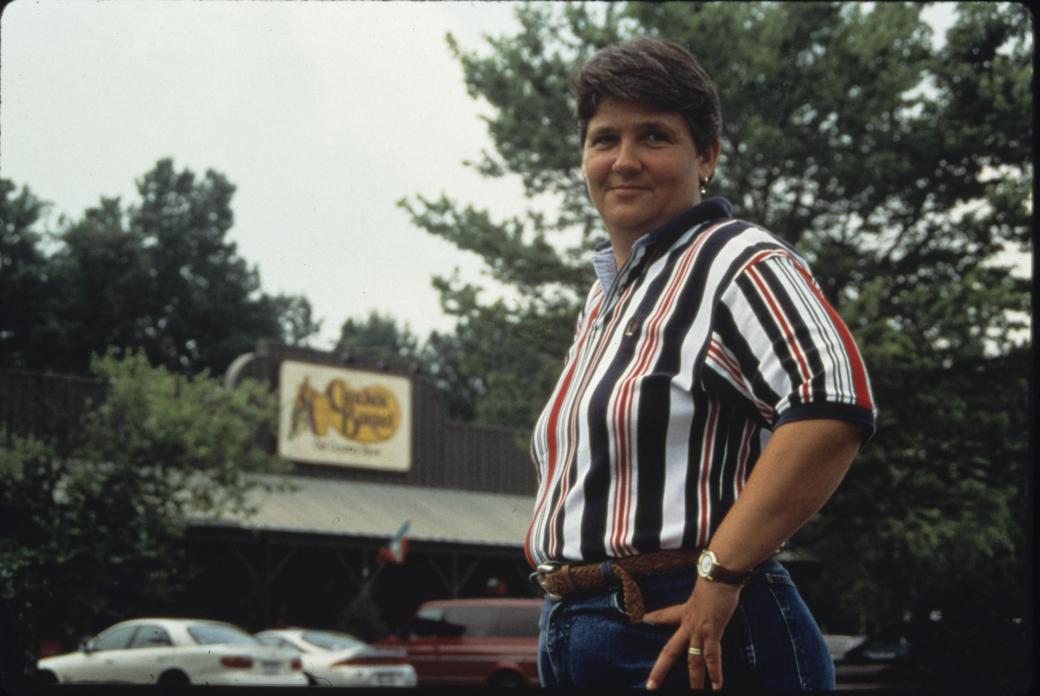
<point>973,654</point>
<point>882,660</point>
<point>474,642</point>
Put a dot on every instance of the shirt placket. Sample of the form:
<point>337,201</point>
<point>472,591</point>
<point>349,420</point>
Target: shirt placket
<point>623,277</point>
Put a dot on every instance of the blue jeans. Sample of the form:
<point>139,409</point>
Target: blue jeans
<point>772,641</point>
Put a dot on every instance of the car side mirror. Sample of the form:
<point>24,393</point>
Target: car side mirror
<point>85,645</point>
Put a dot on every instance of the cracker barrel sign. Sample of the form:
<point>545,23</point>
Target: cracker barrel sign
<point>344,417</point>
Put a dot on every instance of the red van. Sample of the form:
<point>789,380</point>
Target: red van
<point>474,642</point>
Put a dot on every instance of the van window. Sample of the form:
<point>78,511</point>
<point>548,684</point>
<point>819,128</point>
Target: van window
<point>514,622</point>
<point>430,613</point>
<point>428,622</point>
<point>473,621</point>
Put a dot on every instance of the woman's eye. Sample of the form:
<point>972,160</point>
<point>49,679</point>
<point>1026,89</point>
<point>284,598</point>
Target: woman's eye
<point>656,137</point>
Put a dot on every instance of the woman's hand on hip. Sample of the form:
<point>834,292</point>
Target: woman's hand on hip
<point>702,621</point>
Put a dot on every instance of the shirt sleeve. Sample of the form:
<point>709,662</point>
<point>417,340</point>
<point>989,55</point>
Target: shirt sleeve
<point>783,347</point>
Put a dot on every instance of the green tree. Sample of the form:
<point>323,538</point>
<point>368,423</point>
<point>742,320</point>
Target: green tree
<point>25,293</point>
<point>158,274</point>
<point>378,339</point>
<point>107,289</point>
<point>900,170</point>
<point>442,359</point>
<point>111,513</point>
<point>203,289</point>
<point>295,317</point>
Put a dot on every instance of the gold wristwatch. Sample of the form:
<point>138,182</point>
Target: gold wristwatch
<point>708,568</point>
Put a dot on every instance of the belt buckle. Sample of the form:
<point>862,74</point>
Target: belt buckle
<point>539,574</point>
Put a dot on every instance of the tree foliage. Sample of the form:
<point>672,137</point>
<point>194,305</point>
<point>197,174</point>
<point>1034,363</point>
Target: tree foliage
<point>900,169</point>
<point>25,293</point>
<point>158,274</point>
<point>110,514</point>
<point>377,339</point>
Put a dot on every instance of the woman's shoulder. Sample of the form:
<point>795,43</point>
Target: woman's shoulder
<point>738,244</point>
<point>731,233</point>
<point>747,232</point>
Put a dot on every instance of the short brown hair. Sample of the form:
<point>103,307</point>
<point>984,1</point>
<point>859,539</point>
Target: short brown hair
<point>656,72</point>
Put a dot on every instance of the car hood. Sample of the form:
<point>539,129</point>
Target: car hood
<point>59,660</point>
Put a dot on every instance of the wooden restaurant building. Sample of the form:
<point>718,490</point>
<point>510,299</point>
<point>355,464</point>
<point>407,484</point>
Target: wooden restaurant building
<point>373,456</point>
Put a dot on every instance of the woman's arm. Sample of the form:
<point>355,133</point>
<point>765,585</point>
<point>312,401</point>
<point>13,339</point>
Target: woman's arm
<point>798,471</point>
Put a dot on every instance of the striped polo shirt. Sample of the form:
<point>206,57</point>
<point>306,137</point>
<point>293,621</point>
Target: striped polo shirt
<point>684,360</point>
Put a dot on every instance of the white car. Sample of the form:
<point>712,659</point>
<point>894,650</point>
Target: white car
<point>331,658</point>
<point>175,652</point>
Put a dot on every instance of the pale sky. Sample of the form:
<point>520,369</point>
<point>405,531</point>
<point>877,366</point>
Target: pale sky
<point>323,114</point>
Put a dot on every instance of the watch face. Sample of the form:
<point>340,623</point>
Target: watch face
<point>704,565</point>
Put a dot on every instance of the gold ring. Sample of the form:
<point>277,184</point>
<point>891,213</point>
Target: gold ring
<point>695,651</point>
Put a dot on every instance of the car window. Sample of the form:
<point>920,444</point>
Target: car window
<point>114,638</point>
<point>517,621</point>
<point>889,648</point>
<point>890,644</point>
<point>430,613</point>
<point>148,636</point>
<point>329,640</point>
<point>429,622</point>
<point>276,641</point>
<point>470,621</point>
<point>216,633</point>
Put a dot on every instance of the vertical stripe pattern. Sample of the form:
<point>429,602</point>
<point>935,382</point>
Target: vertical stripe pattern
<point>712,334</point>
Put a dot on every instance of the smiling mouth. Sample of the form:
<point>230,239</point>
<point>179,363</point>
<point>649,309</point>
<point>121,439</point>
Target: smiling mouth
<point>628,189</point>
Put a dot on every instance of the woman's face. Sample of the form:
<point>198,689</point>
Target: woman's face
<point>641,167</point>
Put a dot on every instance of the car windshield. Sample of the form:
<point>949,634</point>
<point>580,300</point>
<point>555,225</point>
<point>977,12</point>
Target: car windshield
<point>215,633</point>
<point>327,640</point>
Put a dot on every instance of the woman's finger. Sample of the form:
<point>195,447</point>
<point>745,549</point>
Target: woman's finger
<point>695,664</point>
<point>674,650</point>
<point>712,661</point>
<point>667,615</point>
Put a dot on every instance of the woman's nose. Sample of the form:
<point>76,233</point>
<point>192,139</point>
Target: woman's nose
<point>627,159</point>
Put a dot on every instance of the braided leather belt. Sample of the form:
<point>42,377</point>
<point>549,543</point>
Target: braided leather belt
<point>561,580</point>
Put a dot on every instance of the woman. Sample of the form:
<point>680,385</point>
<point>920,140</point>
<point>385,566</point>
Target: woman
<point>710,404</point>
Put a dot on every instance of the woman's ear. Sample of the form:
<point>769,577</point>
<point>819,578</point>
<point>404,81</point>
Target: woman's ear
<point>708,159</point>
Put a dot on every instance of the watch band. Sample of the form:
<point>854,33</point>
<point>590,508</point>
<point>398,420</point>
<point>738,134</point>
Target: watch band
<point>708,568</point>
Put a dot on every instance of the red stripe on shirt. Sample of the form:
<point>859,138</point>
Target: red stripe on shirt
<point>573,414</point>
<point>859,371</point>
<point>702,483</point>
<point>742,458</point>
<point>552,424</point>
<point>728,364</point>
<point>623,407</point>
<point>796,349</point>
